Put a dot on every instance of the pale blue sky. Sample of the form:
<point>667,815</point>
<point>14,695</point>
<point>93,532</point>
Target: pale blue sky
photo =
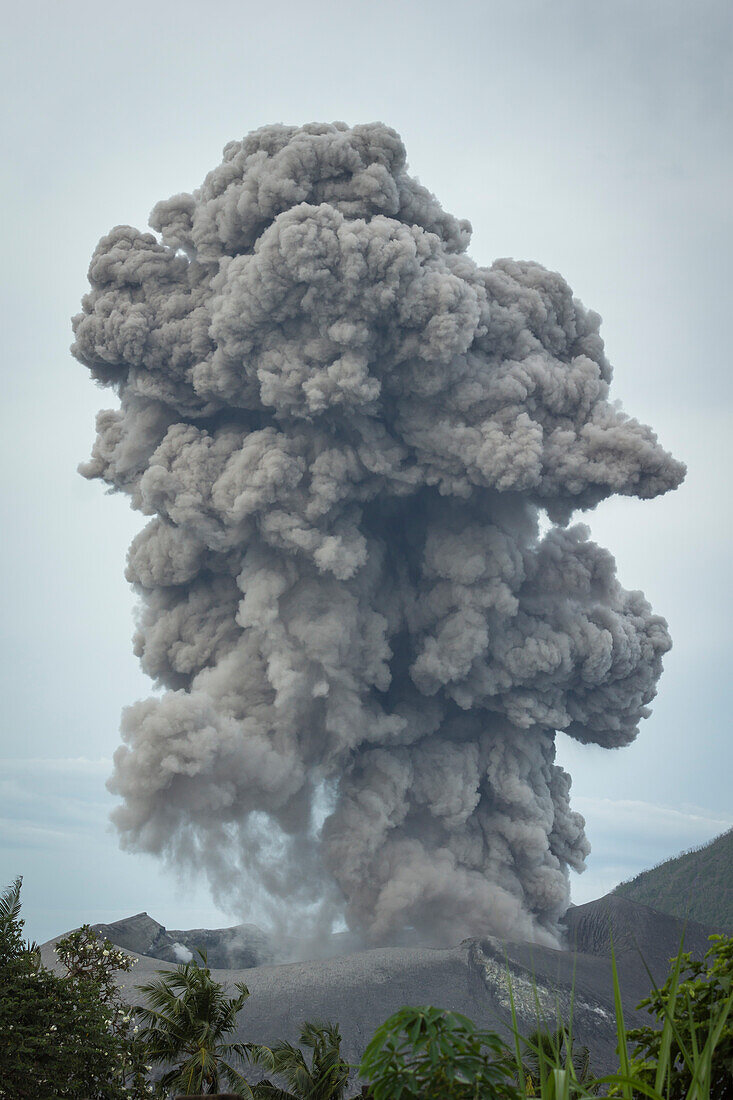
<point>593,137</point>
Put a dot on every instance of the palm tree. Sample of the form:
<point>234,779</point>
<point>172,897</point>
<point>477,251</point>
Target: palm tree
<point>189,1022</point>
<point>325,1078</point>
<point>12,944</point>
<point>547,1050</point>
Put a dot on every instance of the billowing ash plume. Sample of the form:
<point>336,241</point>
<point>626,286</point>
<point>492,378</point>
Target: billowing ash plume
<point>344,432</point>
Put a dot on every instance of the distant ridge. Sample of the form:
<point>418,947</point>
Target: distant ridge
<point>242,946</point>
<point>696,885</point>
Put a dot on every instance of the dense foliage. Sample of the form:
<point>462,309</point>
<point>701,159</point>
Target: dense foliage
<point>57,1042</point>
<point>674,886</point>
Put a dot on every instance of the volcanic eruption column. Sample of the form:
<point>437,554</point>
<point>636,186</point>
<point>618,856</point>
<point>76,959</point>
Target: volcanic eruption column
<point>345,432</point>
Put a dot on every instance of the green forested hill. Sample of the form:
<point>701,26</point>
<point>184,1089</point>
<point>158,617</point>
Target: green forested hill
<point>697,884</point>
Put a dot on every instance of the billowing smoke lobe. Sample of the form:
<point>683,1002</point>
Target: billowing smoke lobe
<point>344,432</point>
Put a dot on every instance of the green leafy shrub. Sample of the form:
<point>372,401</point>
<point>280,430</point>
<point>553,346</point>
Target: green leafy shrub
<point>429,1054</point>
<point>695,1004</point>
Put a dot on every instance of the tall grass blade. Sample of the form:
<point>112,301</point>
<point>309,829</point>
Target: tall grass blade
<point>515,1030</point>
<point>626,1090</point>
<point>664,1068</point>
<point>669,1017</point>
<point>632,1083</point>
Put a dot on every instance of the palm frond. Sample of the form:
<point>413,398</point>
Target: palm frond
<point>324,1079</point>
<point>265,1090</point>
<point>234,1079</point>
<point>10,902</point>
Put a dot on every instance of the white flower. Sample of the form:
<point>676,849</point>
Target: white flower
<point>105,952</point>
<point>53,1027</point>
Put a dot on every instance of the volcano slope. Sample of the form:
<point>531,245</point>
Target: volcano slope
<point>696,884</point>
<point>360,990</point>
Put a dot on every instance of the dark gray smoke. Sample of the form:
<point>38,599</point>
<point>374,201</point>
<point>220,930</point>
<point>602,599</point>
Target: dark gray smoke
<point>344,432</point>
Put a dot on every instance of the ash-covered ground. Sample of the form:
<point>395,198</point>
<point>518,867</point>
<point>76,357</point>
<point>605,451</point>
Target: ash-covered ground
<point>361,989</point>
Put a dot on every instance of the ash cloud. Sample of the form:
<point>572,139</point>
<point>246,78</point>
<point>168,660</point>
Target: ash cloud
<point>345,432</point>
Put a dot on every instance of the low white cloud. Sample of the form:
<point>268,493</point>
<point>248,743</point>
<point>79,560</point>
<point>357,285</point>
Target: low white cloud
<point>63,765</point>
<point>19,834</point>
<point>67,794</point>
<point>634,816</point>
